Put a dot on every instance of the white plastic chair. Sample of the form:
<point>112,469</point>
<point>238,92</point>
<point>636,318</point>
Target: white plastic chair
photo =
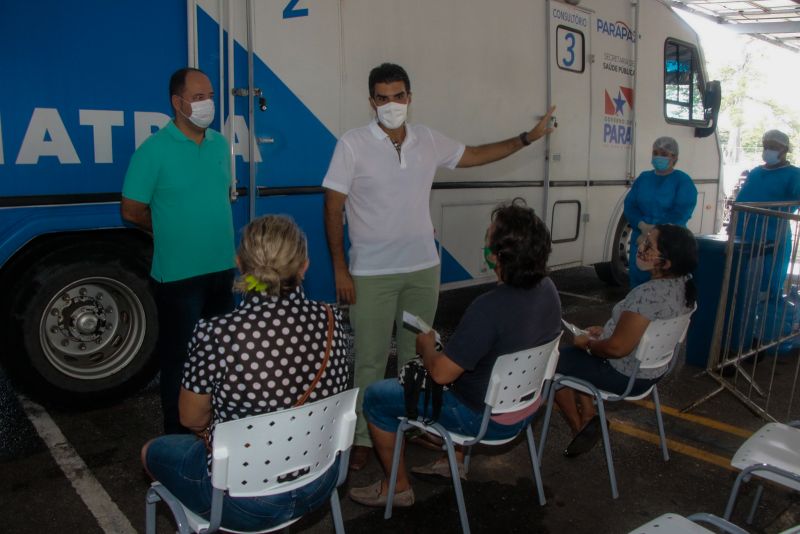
<point>252,457</point>
<point>656,349</point>
<point>677,524</point>
<point>772,453</point>
<point>516,382</point>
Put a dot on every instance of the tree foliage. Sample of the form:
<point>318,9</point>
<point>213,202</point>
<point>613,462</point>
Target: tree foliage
<point>748,109</point>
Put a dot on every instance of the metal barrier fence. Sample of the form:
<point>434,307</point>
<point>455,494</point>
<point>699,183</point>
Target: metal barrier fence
<point>755,345</point>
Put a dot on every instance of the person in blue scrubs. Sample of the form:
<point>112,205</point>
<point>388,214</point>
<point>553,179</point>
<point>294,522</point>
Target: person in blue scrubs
<point>774,181</point>
<point>663,195</point>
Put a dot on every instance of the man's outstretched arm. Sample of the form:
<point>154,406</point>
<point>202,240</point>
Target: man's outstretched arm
<point>483,154</point>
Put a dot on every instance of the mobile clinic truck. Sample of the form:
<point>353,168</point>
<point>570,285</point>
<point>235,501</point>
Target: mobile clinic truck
<point>84,83</point>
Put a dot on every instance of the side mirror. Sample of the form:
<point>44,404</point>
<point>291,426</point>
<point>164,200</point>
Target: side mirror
<point>712,99</point>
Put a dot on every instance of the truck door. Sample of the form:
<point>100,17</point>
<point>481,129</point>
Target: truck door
<point>296,67</point>
<point>568,162</point>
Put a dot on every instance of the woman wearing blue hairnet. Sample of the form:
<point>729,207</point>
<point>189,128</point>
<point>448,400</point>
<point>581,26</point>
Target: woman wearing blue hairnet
<point>663,195</point>
<point>775,181</point>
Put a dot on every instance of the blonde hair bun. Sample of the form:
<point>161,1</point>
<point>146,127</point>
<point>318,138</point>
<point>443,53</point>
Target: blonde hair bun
<point>274,251</point>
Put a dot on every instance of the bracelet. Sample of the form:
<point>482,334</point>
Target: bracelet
<point>588,348</point>
<point>524,138</point>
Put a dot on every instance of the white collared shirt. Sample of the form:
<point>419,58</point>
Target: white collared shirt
<point>387,207</point>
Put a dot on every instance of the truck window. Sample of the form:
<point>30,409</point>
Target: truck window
<point>683,84</point>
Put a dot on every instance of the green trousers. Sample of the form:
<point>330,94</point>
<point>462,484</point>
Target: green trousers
<point>380,302</point>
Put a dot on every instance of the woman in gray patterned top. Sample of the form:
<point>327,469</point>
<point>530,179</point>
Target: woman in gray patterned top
<point>605,357</point>
<point>261,357</point>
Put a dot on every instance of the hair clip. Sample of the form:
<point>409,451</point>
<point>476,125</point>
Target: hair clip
<point>254,284</point>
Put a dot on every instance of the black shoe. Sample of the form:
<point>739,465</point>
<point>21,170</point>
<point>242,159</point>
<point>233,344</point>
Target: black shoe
<point>585,439</point>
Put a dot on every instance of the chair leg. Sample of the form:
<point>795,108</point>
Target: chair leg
<point>546,423</point>
<point>451,457</point>
<point>734,494</point>
<point>537,475</point>
<point>612,476</point>
<point>660,422</point>
<point>336,512</point>
<point>752,515</point>
<point>215,517</point>
<point>158,492</point>
<point>150,511</point>
<point>467,456</point>
<point>398,447</point>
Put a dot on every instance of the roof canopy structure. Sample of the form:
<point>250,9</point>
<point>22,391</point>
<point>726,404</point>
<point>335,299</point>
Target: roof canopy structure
<point>774,21</point>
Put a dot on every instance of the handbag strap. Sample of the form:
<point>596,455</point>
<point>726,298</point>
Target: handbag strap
<point>328,344</point>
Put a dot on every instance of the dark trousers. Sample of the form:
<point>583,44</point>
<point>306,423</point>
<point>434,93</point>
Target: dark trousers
<point>181,304</point>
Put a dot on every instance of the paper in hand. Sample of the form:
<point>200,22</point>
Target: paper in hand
<point>574,329</point>
<point>418,326</point>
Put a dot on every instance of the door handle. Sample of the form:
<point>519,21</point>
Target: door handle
<point>243,91</point>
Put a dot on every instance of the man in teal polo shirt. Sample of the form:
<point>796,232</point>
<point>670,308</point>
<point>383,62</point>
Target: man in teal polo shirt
<point>178,188</point>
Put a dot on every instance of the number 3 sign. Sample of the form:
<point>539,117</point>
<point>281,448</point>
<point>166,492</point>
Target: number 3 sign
<point>569,49</point>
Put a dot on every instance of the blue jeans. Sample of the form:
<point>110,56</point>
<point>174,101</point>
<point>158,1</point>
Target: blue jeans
<point>180,305</point>
<point>578,363</point>
<point>179,462</point>
<point>384,403</point>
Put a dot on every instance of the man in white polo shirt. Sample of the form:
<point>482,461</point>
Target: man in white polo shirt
<point>381,175</point>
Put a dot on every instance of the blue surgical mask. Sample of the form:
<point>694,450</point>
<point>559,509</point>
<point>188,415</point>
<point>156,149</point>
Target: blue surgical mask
<point>771,157</point>
<point>660,163</point>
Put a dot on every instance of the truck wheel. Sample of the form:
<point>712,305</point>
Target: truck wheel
<point>615,272</point>
<point>90,328</point>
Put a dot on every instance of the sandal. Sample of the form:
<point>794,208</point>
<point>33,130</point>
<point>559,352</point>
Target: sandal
<point>438,471</point>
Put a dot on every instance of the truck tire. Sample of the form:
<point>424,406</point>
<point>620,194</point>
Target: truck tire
<point>90,327</point>
<point>615,272</point>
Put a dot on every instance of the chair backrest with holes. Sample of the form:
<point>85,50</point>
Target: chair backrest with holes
<point>658,343</point>
<point>518,378</point>
<point>280,451</point>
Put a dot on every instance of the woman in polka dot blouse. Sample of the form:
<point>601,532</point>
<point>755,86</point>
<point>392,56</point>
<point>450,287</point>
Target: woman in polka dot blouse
<point>259,358</point>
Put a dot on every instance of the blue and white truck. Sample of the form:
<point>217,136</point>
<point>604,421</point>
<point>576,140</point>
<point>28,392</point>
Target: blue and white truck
<point>84,83</point>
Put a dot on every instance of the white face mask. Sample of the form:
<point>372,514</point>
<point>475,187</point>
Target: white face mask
<point>392,114</point>
<point>202,113</point>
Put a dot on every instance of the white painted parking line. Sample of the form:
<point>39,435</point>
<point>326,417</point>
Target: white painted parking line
<point>584,297</point>
<point>108,515</point>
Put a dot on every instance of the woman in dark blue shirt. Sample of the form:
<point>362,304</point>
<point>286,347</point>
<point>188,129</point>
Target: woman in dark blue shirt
<point>523,311</point>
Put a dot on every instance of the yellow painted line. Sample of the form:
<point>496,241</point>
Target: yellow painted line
<point>699,419</point>
<point>676,446</point>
